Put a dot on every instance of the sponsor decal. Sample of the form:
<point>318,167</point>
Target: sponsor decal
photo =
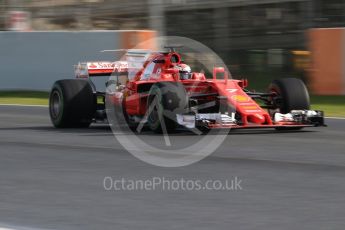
<point>92,66</point>
<point>240,98</point>
<point>250,107</point>
<point>247,103</point>
<point>121,66</point>
<point>231,90</point>
<point>253,111</point>
<point>101,65</point>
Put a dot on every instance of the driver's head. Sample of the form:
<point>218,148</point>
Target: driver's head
<point>185,71</point>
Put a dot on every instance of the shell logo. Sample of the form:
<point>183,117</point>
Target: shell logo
<point>240,98</point>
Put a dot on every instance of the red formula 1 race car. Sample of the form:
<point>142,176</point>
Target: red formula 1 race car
<point>158,90</point>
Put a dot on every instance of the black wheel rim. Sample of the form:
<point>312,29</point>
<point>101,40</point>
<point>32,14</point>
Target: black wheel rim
<point>55,104</point>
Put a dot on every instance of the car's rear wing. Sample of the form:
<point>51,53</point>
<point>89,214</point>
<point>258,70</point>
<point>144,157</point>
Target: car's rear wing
<point>99,68</point>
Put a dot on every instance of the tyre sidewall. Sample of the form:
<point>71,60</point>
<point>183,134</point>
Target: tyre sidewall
<point>293,93</point>
<point>77,105</point>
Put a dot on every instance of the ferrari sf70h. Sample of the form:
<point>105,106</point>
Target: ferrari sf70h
<point>160,91</point>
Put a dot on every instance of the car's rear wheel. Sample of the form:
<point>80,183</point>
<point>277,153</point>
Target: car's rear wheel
<point>166,99</point>
<point>72,103</point>
<point>290,94</point>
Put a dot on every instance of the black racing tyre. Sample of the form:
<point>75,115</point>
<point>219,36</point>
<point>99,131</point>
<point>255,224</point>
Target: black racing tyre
<point>292,94</point>
<point>72,103</point>
<point>166,99</point>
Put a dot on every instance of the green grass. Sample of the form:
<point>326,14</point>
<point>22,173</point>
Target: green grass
<point>332,105</point>
<point>24,97</point>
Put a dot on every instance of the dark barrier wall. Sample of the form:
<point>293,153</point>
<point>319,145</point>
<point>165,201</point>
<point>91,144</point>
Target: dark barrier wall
<point>34,60</point>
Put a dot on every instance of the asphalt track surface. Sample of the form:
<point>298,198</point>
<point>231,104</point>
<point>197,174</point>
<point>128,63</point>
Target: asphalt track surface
<point>53,179</point>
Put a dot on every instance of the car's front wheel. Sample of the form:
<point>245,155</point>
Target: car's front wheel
<point>290,94</point>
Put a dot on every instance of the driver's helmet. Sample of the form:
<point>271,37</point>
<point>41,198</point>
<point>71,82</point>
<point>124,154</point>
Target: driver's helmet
<point>185,71</point>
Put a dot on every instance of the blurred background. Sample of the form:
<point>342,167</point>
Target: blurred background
<point>257,39</point>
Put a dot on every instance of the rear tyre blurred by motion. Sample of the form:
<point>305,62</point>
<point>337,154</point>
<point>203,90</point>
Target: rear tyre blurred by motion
<point>291,94</point>
<point>72,103</point>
